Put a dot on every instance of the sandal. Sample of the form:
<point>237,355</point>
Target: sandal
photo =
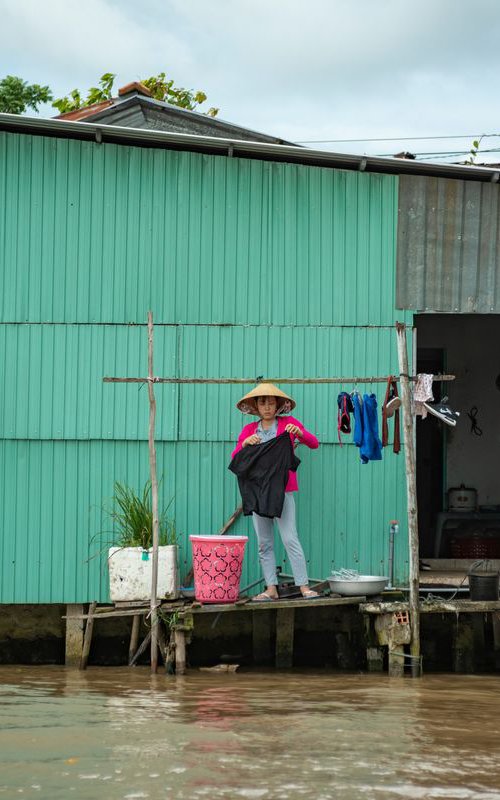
<point>263,597</point>
<point>310,594</point>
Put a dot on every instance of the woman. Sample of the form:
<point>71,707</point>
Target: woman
<point>270,404</point>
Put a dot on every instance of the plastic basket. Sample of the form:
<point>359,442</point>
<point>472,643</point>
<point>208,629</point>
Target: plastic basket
<point>217,564</point>
<point>475,547</point>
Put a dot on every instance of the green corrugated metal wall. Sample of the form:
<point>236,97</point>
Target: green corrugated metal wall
<point>250,268</point>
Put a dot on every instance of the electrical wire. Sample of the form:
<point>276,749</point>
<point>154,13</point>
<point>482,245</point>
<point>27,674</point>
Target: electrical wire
<point>400,138</point>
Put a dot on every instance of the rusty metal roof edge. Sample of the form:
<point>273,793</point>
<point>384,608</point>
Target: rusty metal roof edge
<point>241,148</point>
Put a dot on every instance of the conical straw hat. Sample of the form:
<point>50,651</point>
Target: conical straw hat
<point>248,404</point>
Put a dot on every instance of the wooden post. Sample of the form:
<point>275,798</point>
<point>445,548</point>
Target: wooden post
<point>74,634</point>
<point>396,661</point>
<point>375,659</point>
<point>180,652</point>
<point>285,619</point>
<point>88,636</point>
<point>140,650</point>
<point>411,494</point>
<point>495,622</point>
<point>134,636</point>
<point>154,496</point>
<point>261,637</point>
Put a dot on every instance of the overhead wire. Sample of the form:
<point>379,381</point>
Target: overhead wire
<point>400,138</point>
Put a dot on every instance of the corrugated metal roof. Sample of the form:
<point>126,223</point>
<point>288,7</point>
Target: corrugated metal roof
<point>448,246</point>
<point>245,149</point>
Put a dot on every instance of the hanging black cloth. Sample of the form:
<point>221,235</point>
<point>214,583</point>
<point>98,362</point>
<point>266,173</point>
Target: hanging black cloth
<point>262,472</point>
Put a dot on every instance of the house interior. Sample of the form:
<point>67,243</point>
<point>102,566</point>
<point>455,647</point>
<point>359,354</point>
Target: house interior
<point>458,470</point>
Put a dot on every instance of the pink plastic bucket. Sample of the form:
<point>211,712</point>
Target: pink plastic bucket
<point>217,563</point>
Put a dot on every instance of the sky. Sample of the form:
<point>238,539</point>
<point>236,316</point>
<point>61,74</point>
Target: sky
<point>310,71</point>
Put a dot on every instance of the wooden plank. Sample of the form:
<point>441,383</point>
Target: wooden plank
<point>89,628</point>
<point>285,619</point>
<point>277,604</point>
<point>411,493</point>
<point>222,381</point>
<point>74,634</point>
<point>129,612</point>
<point>262,638</point>
<point>435,607</point>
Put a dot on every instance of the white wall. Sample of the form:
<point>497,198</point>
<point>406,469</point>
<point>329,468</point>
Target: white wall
<point>472,353</point>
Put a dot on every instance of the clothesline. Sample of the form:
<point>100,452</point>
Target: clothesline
<point>260,379</point>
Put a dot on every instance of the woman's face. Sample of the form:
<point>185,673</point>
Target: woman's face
<point>266,406</point>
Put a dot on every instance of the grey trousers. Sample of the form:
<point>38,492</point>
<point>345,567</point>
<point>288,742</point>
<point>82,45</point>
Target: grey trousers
<point>264,528</point>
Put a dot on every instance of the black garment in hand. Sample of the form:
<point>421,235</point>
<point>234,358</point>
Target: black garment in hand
<point>262,472</point>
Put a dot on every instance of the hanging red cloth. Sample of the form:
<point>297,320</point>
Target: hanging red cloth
<point>391,399</point>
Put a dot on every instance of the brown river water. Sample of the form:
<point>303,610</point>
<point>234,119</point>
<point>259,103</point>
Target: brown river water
<point>122,733</point>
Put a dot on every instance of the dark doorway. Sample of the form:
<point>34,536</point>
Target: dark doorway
<point>429,437</point>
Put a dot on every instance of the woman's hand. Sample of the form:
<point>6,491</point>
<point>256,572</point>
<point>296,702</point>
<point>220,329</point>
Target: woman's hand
<point>294,430</point>
<point>254,439</point>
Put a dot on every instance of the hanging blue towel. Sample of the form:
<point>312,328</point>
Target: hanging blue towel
<point>358,419</point>
<point>366,428</point>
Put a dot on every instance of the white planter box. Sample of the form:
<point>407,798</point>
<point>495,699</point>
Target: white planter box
<point>130,575</point>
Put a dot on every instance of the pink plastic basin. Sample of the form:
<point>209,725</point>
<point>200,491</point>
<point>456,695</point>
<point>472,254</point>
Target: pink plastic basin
<point>217,563</point>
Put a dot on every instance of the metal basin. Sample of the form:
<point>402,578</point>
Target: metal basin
<point>363,585</point>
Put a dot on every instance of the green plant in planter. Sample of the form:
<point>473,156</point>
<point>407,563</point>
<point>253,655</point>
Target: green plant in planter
<point>132,515</point>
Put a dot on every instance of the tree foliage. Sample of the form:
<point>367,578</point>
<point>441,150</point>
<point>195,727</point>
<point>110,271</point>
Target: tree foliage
<point>96,94</point>
<point>164,89</point>
<point>160,87</point>
<point>16,95</point>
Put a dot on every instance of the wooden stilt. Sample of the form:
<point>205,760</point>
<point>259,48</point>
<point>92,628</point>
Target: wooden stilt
<point>495,621</point>
<point>396,661</point>
<point>154,498</point>
<point>180,652</point>
<point>261,637</point>
<point>162,642</point>
<point>134,636</point>
<point>140,650</point>
<point>74,634</point>
<point>463,645</point>
<point>170,660</point>
<point>411,496</point>
<point>285,620</point>
<point>375,659</point>
<point>89,629</point>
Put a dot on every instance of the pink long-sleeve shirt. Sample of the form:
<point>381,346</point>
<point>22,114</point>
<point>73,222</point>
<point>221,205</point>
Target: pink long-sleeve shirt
<point>307,438</point>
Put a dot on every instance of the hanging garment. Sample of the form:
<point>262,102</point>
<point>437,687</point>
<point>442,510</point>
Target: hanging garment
<point>344,402</point>
<point>262,472</point>
<point>391,399</point>
<point>366,429</point>
<point>422,391</point>
<point>357,403</point>
<point>306,437</point>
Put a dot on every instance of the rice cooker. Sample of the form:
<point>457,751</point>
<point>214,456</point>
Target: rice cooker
<point>462,499</point>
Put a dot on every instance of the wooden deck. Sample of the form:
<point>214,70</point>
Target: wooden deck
<point>387,626</point>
